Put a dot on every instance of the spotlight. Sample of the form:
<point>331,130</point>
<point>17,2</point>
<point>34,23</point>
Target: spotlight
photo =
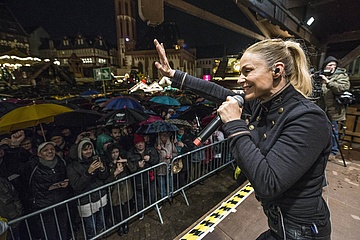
<point>310,21</point>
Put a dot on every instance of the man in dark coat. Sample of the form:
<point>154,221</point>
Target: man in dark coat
<point>48,184</point>
<point>143,157</point>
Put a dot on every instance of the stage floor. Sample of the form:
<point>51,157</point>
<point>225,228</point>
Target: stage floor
<point>247,220</point>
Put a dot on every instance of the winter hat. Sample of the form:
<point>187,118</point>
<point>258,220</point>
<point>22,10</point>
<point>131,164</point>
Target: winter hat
<point>100,141</point>
<point>138,138</point>
<point>41,146</point>
<point>56,132</point>
<point>330,59</point>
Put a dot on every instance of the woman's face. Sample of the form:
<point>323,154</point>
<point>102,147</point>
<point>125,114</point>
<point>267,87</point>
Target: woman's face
<point>115,154</point>
<point>256,78</point>
<point>87,151</point>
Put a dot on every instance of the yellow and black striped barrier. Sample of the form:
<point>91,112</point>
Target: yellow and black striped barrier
<point>208,224</point>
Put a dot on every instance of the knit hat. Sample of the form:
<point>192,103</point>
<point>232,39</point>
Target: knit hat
<point>56,132</point>
<point>41,146</point>
<point>330,59</point>
<point>138,138</point>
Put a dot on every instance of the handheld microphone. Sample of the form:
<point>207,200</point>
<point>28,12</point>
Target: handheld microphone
<point>215,124</point>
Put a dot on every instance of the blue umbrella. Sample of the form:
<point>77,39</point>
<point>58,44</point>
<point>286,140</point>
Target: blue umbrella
<point>6,107</point>
<point>122,102</point>
<point>89,92</point>
<point>101,100</point>
<point>165,100</point>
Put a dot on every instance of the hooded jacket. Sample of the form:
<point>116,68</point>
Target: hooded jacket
<point>329,59</point>
<point>100,141</point>
<point>80,180</point>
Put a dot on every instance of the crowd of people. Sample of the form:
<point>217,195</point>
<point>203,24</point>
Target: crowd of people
<point>48,164</point>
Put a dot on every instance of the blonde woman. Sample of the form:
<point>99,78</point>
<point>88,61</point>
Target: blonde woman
<point>283,150</point>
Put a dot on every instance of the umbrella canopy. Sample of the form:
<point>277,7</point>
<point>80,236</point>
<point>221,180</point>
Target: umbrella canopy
<point>6,107</point>
<point>196,111</point>
<point>157,127</point>
<point>206,120</point>
<point>89,93</point>
<point>78,118</point>
<point>30,116</point>
<point>124,116</point>
<point>165,100</point>
<point>179,122</point>
<point>151,119</point>
<point>101,100</point>
<point>122,102</point>
<point>184,100</point>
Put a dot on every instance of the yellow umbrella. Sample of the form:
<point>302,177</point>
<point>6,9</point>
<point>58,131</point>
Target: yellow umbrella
<point>30,116</point>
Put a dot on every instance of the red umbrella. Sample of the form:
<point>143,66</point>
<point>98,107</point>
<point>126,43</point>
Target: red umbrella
<point>151,119</point>
<point>206,120</point>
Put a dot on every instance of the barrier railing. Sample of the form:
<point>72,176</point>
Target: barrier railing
<point>120,201</point>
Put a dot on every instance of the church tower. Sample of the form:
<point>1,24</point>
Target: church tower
<point>125,14</point>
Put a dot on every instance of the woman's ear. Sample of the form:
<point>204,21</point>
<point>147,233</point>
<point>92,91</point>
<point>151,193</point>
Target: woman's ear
<point>278,70</point>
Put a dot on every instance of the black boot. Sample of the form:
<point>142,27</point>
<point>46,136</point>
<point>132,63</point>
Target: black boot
<point>120,231</point>
<point>126,228</point>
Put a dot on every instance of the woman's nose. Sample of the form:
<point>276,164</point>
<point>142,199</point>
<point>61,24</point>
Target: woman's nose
<point>241,79</point>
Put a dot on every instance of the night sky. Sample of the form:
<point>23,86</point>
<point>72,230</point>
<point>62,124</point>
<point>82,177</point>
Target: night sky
<point>93,17</point>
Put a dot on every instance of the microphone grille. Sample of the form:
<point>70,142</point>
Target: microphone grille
<point>239,99</point>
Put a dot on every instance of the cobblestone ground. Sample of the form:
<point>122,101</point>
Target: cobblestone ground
<point>178,216</point>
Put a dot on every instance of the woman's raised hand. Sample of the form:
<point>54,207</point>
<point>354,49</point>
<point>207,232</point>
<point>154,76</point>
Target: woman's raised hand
<point>163,66</point>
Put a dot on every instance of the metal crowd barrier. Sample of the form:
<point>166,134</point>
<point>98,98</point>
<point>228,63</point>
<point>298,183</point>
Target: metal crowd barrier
<point>60,220</point>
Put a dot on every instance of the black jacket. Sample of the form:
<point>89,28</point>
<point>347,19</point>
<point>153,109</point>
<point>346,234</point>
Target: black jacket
<point>283,151</point>
<point>39,178</point>
<point>81,181</point>
<point>133,157</point>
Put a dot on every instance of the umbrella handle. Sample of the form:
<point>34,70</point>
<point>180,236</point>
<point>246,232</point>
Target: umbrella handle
<point>42,130</point>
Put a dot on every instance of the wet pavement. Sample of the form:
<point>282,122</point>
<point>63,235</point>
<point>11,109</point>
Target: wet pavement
<point>178,216</point>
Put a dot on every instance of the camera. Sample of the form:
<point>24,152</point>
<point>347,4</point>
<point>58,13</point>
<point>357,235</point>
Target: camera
<point>317,82</point>
<point>316,75</point>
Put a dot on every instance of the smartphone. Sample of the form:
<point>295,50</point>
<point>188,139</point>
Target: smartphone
<point>95,158</point>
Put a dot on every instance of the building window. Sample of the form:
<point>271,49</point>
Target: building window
<point>154,71</point>
<point>140,67</point>
<point>126,9</point>
<point>87,60</point>
<point>102,61</point>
